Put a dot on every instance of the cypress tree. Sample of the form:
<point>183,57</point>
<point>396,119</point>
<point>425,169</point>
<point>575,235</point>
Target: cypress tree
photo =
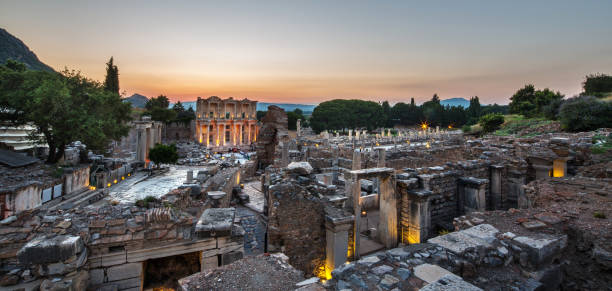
<point>111,82</point>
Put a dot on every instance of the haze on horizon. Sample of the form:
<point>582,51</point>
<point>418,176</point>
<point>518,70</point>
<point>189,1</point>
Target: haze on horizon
<point>312,51</point>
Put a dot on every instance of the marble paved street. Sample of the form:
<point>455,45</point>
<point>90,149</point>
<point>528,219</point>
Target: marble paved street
<point>256,198</point>
<point>140,186</point>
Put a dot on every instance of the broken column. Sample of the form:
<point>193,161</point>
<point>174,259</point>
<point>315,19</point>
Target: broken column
<point>416,218</point>
<point>356,160</point>
<point>495,194</point>
<point>336,229</point>
<point>381,157</point>
<point>299,127</point>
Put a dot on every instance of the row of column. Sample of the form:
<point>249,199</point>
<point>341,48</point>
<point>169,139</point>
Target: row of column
<point>236,137</point>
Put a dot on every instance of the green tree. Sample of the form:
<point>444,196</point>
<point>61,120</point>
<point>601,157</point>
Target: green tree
<point>474,111</point>
<point>158,109</point>
<point>163,154</point>
<point>340,114</point>
<point>386,109</point>
<point>111,82</point>
<point>292,118</point>
<point>260,114</point>
<point>531,102</point>
<point>63,108</point>
<point>598,85</point>
<point>585,113</point>
<point>491,122</point>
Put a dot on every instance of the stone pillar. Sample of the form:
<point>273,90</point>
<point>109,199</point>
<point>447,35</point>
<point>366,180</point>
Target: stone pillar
<point>387,225</point>
<point>141,150</point>
<point>284,154</point>
<point>355,193</point>
<point>356,160</point>
<point>472,194</point>
<point>416,216</point>
<point>189,176</point>
<point>350,135</point>
<point>299,127</point>
<point>336,239</point>
<point>381,157</point>
<point>249,134</point>
<point>495,193</point>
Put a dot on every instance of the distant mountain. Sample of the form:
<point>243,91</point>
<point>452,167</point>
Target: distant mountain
<point>306,108</point>
<point>263,106</point>
<point>12,48</point>
<point>456,102</point>
<point>137,100</point>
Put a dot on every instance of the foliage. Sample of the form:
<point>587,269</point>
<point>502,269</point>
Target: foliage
<point>63,107</point>
<point>514,124</point>
<point>158,109</point>
<point>163,154</point>
<point>466,128</point>
<point>182,115</point>
<point>585,113</point>
<point>531,102</point>
<point>598,85</point>
<point>292,118</point>
<point>111,82</point>
<point>601,144</point>
<point>474,110</point>
<point>146,202</point>
<point>260,114</point>
<point>339,114</point>
<point>598,214</point>
<point>491,122</point>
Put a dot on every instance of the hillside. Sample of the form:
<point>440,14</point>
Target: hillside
<point>12,48</point>
<point>137,100</point>
<point>263,106</point>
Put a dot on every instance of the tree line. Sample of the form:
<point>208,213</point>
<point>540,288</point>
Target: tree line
<point>342,114</point>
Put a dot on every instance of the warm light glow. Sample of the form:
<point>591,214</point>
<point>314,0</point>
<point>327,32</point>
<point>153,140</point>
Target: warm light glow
<point>424,126</point>
<point>377,144</point>
<point>129,174</point>
<point>427,145</point>
<point>122,177</point>
<point>92,187</point>
<point>408,142</point>
<point>200,139</point>
<point>450,126</point>
<point>316,145</point>
<point>115,181</point>
<point>324,272</point>
<point>558,169</point>
<point>109,184</point>
<point>238,178</point>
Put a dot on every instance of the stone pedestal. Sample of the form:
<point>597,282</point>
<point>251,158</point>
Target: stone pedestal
<point>417,217</point>
<point>336,240</point>
<point>472,194</point>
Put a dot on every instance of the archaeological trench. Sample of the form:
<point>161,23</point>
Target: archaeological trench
<point>420,210</point>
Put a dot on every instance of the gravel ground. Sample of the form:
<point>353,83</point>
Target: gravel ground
<point>262,272</point>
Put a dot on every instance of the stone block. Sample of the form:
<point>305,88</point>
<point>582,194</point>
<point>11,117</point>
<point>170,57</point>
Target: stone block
<point>450,282</point>
<point>430,273</point>
<point>125,271</point>
<point>300,168</point>
<point>215,222</point>
<point>541,250</point>
<point>43,250</point>
<point>389,282</point>
<point>96,276</point>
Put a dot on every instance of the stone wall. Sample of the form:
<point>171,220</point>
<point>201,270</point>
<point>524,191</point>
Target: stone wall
<point>178,131</point>
<point>296,226</point>
<point>273,132</point>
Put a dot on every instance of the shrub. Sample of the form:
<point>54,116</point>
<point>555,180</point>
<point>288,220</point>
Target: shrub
<point>585,113</point>
<point>598,214</point>
<point>163,154</point>
<point>466,128</point>
<point>491,122</point>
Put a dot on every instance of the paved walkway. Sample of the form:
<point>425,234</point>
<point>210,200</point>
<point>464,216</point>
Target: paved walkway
<point>140,186</point>
<point>256,198</point>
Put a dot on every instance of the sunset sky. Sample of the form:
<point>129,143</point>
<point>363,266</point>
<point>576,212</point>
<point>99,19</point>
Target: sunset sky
<point>312,51</point>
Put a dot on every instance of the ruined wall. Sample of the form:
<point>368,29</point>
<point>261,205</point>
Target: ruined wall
<point>296,226</point>
<point>76,179</point>
<point>273,131</point>
<point>178,131</point>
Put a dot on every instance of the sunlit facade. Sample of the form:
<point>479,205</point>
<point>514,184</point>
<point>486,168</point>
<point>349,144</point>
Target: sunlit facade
<point>226,123</point>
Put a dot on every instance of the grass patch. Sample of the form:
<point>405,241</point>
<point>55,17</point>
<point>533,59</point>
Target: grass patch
<point>146,201</point>
<point>598,214</point>
<point>515,123</point>
<point>601,144</point>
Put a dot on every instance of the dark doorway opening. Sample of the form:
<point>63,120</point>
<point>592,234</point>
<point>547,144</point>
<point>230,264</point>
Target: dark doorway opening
<point>165,272</point>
